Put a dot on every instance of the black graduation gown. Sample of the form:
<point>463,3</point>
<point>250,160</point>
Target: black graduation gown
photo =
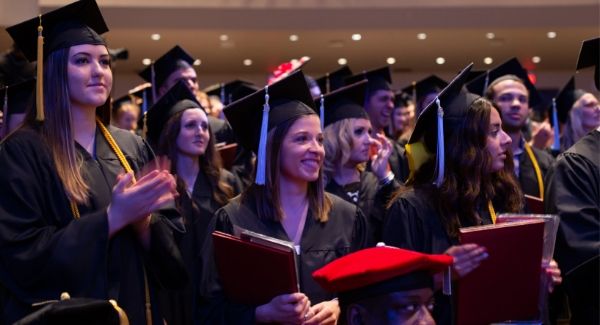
<point>399,162</point>
<point>573,194</point>
<point>370,196</point>
<point>179,306</point>
<point>321,243</point>
<point>414,222</point>
<point>44,251</point>
<point>527,176</point>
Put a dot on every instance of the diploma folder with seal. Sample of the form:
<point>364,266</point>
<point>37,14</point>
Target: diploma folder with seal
<point>505,286</point>
<point>254,268</point>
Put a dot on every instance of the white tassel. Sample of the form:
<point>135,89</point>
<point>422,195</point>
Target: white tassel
<point>322,112</point>
<point>440,164</point>
<point>556,143</point>
<point>261,164</point>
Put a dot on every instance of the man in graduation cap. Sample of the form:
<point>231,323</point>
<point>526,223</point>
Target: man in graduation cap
<point>384,285</point>
<point>424,91</point>
<point>379,102</point>
<point>512,92</point>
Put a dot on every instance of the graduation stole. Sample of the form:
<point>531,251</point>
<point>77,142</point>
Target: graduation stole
<point>536,168</point>
<point>117,151</point>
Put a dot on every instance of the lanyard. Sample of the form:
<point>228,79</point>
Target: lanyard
<point>536,168</point>
<point>492,211</point>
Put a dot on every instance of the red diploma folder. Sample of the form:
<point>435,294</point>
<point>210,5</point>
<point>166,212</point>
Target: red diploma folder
<point>534,204</point>
<point>255,268</point>
<point>506,285</point>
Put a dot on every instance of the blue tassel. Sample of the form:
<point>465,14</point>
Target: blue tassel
<point>440,164</point>
<point>153,80</point>
<point>322,112</point>
<point>486,83</point>
<point>222,94</point>
<point>261,164</point>
<point>556,143</point>
<point>144,102</point>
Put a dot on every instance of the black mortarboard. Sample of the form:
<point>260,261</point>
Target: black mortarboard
<point>242,91</point>
<point>77,23</point>
<point>20,97</point>
<point>481,84</point>
<point>402,99</point>
<point>165,65</point>
<point>446,111</point>
<point>177,99</point>
<point>379,79</point>
<point>474,74</point>
<point>225,90</point>
<point>343,103</point>
<point>253,116</point>
<point>426,86</point>
<point>589,56</point>
<point>77,311</point>
<point>334,80</point>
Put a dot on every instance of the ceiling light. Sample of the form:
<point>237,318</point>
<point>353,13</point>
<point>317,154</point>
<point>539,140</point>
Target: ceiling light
<point>224,38</point>
<point>356,37</point>
<point>146,61</point>
<point>440,60</point>
<point>490,35</point>
<point>197,62</point>
<point>342,61</point>
<point>247,62</point>
<point>390,60</point>
<point>294,38</point>
<point>155,37</point>
<point>551,34</point>
<point>421,36</point>
<point>536,59</point>
<point>488,60</point>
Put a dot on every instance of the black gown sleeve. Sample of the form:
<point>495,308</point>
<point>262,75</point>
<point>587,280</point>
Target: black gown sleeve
<point>44,250</point>
<point>214,307</point>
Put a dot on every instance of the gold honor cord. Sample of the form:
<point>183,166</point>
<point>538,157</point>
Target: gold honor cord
<point>115,148</point>
<point>492,211</point>
<point>536,167</point>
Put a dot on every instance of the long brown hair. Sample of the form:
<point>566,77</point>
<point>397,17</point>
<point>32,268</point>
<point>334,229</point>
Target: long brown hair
<point>210,161</point>
<point>468,184</point>
<point>56,128</point>
<point>266,196</point>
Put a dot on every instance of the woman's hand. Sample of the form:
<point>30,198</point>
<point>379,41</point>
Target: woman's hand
<point>467,257</point>
<point>553,273</point>
<point>288,309</point>
<point>132,203</point>
<point>379,162</point>
<point>326,312</point>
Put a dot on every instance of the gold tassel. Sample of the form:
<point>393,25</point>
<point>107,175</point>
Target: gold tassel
<point>40,74</point>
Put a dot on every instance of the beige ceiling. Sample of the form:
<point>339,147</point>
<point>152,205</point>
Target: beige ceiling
<point>259,30</point>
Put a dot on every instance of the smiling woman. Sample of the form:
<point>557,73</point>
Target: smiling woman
<point>72,216</point>
<point>289,203</point>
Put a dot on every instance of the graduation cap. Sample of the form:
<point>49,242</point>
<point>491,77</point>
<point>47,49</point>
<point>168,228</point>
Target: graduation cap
<point>225,90</point>
<point>334,80</point>
<point>481,84</point>
<point>78,23</point>
<point>253,116</point>
<point>474,74</point>
<point>401,99</point>
<point>449,108</point>
<point>157,72</point>
<point>562,104</point>
<point>346,102</point>
<point>177,99</point>
<point>378,271</point>
<point>378,79</point>
<point>426,86</point>
<point>589,56</point>
<point>16,99</point>
<point>77,311</point>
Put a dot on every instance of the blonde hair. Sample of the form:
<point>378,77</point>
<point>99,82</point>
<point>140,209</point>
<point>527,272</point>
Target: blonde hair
<point>574,129</point>
<point>338,146</point>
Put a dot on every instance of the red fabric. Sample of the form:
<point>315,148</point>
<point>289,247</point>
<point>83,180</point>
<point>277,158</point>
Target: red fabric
<point>374,265</point>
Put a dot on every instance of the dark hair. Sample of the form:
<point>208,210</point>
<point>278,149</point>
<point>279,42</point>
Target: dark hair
<point>468,184</point>
<point>210,161</point>
<point>266,196</point>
